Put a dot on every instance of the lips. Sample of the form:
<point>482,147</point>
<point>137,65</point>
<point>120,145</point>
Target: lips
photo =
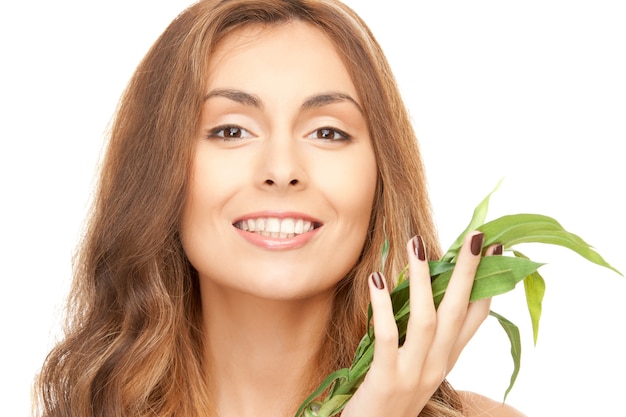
<point>277,227</point>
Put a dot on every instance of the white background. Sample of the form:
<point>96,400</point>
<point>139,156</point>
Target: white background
<point>532,91</point>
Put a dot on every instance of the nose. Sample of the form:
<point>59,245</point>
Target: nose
<point>292,182</point>
<point>281,165</point>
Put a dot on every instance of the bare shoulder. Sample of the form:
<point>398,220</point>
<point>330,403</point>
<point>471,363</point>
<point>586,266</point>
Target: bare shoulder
<point>477,405</point>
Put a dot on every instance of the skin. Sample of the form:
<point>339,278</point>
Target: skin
<point>282,135</point>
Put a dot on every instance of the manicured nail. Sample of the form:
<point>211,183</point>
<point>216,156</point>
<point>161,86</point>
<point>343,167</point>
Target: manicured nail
<point>477,243</point>
<point>377,280</point>
<point>497,250</point>
<point>418,248</point>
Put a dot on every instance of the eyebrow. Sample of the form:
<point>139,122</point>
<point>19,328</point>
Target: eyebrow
<point>324,99</point>
<point>315,101</point>
<point>237,96</point>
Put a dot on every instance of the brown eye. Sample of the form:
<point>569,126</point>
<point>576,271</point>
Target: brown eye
<point>228,133</point>
<point>329,134</point>
<point>232,132</point>
<point>325,134</point>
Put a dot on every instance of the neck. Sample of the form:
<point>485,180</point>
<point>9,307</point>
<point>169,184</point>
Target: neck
<point>262,353</point>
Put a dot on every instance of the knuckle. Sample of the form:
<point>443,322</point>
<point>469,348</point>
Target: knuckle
<point>456,314</point>
<point>387,335</point>
<point>426,323</point>
<point>407,381</point>
<point>485,306</point>
<point>435,378</point>
<point>408,386</point>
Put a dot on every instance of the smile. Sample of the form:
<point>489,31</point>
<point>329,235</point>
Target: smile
<point>277,227</point>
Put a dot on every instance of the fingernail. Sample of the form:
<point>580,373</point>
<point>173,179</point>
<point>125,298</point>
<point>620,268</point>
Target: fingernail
<point>497,250</point>
<point>418,248</point>
<point>377,280</point>
<point>477,243</point>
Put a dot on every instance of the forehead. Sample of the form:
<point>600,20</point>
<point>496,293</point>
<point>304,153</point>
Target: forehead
<point>291,53</point>
<point>258,35</point>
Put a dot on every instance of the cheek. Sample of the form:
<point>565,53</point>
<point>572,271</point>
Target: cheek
<point>212,182</point>
<point>350,188</point>
<point>351,185</point>
<point>214,178</point>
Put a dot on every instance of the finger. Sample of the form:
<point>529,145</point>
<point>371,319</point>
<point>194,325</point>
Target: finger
<point>477,312</point>
<point>423,318</point>
<point>385,329</point>
<point>462,279</point>
<point>494,250</point>
<point>454,306</point>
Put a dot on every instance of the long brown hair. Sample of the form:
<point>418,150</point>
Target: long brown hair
<point>133,342</point>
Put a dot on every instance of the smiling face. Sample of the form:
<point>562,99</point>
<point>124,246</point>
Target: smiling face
<point>284,174</point>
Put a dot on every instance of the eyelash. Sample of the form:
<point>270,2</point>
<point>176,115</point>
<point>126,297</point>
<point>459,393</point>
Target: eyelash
<point>343,136</point>
<point>219,132</point>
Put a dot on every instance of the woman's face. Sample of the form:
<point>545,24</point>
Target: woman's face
<point>284,173</point>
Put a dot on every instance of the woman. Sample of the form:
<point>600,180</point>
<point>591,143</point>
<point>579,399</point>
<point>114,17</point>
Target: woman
<point>259,157</point>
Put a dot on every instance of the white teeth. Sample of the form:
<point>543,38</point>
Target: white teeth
<point>272,225</point>
<point>299,227</point>
<point>276,227</point>
<point>287,226</point>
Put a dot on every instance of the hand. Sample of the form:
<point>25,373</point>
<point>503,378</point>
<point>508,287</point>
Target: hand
<point>402,380</point>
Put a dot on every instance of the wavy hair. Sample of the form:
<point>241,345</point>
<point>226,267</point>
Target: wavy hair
<point>132,344</point>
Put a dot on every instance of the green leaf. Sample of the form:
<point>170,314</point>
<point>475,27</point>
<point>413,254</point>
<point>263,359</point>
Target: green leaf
<point>333,406</point>
<point>367,339</point>
<point>535,288</point>
<point>309,412</point>
<point>478,218</point>
<point>402,275</point>
<point>384,254</point>
<point>439,267</point>
<point>331,380</point>
<point>516,347</point>
<point>495,275</point>
<point>515,229</point>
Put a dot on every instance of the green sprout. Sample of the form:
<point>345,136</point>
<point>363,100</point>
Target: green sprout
<point>495,275</point>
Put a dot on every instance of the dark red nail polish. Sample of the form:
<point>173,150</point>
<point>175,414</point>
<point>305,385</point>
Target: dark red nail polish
<point>418,248</point>
<point>497,250</point>
<point>377,279</point>
<point>477,243</point>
